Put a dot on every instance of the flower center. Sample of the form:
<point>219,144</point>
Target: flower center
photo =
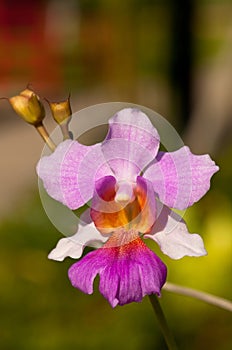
<point>121,205</point>
<point>125,192</point>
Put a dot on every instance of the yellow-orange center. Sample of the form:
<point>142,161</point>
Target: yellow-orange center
<point>112,215</point>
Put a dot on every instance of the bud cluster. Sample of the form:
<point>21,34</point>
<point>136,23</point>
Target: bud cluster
<point>29,107</point>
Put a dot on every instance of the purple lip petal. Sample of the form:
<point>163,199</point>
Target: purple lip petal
<point>70,172</point>
<point>127,273</point>
<point>171,234</point>
<point>181,178</point>
<point>131,143</point>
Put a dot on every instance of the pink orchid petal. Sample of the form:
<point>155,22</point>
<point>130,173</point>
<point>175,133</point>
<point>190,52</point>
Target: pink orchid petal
<point>171,234</point>
<point>131,143</point>
<point>69,174</point>
<point>181,178</point>
<point>127,273</point>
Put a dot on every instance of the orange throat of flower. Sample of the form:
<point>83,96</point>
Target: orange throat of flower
<point>116,210</point>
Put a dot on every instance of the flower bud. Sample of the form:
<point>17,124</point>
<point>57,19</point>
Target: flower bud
<point>61,111</point>
<point>28,106</point>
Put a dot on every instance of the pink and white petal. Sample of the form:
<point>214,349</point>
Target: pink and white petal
<point>69,174</point>
<point>171,234</point>
<point>87,235</point>
<point>127,273</point>
<point>126,158</point>
<point>181,178</point>
<point>133,125</point>
<point>131,144</point>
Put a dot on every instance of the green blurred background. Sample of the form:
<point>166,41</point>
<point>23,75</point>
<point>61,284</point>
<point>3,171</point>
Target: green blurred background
<point>172,56</point>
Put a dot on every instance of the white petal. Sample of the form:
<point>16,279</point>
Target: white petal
<point>73,246</point>
<point>66,247</point>
<point>171,233</point>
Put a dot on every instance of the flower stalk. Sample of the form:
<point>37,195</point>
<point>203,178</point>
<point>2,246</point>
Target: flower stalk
<point>45,136</point>
<point>197,294</point>
<point>169,339</point>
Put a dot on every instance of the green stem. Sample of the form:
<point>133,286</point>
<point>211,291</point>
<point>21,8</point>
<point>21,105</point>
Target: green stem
<point>162,322</point>
<point>197,294</point>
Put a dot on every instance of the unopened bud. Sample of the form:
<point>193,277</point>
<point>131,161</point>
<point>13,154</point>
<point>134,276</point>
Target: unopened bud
<point>61,111</point>
<point>28,106</point>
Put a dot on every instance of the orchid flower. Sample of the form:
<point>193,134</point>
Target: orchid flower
<point>130,187</point>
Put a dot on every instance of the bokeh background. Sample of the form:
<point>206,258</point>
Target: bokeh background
<point>172,56</point>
